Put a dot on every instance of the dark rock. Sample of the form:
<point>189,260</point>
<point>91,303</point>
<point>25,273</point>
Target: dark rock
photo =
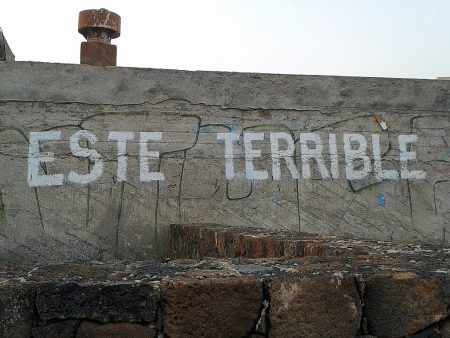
<point>429,332</point>
<point>401,304</point>
<point>116,330</point>
<point>444,328</point>
<point>101,302</point>
<point>67,328</point>
<point>227,307</point>
<point>16,309</point>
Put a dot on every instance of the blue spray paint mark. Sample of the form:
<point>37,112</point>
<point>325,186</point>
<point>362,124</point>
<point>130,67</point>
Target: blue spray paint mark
<point>205,129</point>
<point>277,200</point>
<point>235,120</point>
<point>381,200</point>
<point>445,156</point>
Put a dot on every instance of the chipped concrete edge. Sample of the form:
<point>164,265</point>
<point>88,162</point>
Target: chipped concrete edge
<point>6,53</point>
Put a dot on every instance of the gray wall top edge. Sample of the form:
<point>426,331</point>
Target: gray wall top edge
<point>223,73</point>
<point>55,82</point>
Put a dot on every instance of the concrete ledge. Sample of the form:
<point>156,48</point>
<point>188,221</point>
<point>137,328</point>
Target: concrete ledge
<point>247,91</point>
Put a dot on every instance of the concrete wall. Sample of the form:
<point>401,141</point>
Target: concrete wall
<point>56,121</point>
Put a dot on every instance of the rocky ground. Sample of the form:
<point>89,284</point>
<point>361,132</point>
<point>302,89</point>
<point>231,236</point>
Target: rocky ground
<point>235,282</point>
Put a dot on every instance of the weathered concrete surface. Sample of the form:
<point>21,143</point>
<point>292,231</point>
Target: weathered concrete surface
<point>110,219</point>
<point>5,51</point>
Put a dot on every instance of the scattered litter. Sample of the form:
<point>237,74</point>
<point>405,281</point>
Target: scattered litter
<point>381,122</point>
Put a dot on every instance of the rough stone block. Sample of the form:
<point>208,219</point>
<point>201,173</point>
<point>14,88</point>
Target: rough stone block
<point>211,307</point>
<point>197,241</point>
<point>402,304</point>
<point>429,332</point>
<point>16,310</point>
<point>444,328</point>
<point>100,302</point>
<point>328,306</point>
<point>116,330</point>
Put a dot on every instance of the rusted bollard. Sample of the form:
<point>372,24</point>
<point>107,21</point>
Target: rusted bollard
<point>98,26</point>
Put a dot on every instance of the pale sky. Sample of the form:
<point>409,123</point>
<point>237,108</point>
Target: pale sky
<point>388,38</point>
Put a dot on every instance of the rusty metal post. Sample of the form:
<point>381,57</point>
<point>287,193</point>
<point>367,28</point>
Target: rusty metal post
<point>98,26</point>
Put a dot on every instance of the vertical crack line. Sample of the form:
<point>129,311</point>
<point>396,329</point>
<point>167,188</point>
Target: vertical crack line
<point>436,211</point>
<point>156,218</point>
<point>36,195</point>
<point>2,215</point>
<point>266,298</point>
<point>157,249</point>
<point>360,285</point>
<point>443,237</point>
<point>298,206</point>
<point>119,216</point>
<point>297,189</point>
<point>88,204</point>
<point>180,184</point>
<point>410,203</point>
<point>88,197</point>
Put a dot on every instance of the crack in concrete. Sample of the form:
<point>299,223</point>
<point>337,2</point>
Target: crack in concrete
<point>223,107</point>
